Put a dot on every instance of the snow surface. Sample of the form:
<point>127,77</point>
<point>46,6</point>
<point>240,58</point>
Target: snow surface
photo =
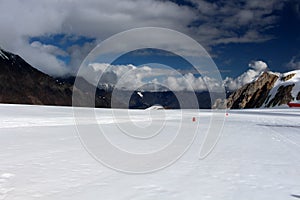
<point>155,107</point>
<point>3,55</point>
<point>140,94</point>
<point>257,157</point>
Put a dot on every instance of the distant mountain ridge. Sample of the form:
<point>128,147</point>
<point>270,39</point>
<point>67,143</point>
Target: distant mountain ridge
<point>268,90</point>
<point>20,83</point>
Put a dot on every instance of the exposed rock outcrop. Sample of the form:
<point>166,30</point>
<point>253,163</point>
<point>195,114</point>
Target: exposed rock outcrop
<point>283,96</point>
<point>287,77</point>
<point>269,90</point>
<point>254,94</point>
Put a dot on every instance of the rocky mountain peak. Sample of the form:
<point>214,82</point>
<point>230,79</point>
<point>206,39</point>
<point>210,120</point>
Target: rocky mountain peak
<point>269,90</point>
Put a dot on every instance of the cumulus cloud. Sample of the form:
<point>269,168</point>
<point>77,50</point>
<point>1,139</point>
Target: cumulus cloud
<point>131,77</point>
<point>256,68</point>
<point>258,65</point>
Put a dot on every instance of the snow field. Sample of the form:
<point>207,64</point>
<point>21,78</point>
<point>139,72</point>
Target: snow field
<point>41,157</point>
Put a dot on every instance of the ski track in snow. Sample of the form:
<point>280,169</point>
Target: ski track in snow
<point>257,157</point>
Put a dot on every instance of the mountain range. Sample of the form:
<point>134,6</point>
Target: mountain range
<point>20,83</point>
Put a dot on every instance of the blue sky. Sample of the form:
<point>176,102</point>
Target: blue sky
<point>277,52</point>
<point>56,36</point>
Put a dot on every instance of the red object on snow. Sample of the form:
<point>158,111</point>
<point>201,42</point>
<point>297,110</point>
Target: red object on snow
<point>294,105</point>
<point>194,119</point>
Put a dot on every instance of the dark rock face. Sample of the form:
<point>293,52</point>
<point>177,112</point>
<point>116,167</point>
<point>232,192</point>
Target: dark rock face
<point>288,77</point>
<point>254,94</point>
<point>23,84</point>
<point>298,96</point>
<point>20,83</point>
<point>283,96</point>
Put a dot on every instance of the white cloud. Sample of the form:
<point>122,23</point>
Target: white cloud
<point>256,68</point>
<point>99,19</point>
<point>187,82</point>
<point>45,61</point>
<point>47,48</point>
<point>294,63</point>
<point>129,77</point>
<point>258,65</point>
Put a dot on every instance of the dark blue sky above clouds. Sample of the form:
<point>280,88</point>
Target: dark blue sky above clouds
<point>278,29</point>
<point>56,36</point>
<point>278,52</point>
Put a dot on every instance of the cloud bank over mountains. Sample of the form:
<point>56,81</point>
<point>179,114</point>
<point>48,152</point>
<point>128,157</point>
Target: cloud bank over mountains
<point>129,77</point>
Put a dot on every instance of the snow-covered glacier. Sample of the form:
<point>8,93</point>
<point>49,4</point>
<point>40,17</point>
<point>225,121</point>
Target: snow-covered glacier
<point>256,157</point>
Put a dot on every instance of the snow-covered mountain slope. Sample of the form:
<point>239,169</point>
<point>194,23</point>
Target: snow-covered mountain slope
<point>257,157</point>
<point>286,89</point>
<point>268,90</point>
<point>3,55</point>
